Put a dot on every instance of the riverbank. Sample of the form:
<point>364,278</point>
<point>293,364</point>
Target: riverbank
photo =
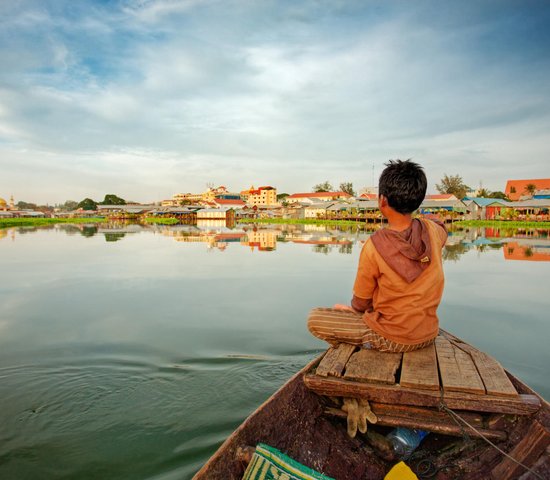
<point>37,222</point>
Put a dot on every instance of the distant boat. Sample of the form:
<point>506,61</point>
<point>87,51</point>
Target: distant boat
<point>467,385</point>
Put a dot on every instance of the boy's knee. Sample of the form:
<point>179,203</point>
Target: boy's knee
<point>315,315</point>
<point>311,321</point>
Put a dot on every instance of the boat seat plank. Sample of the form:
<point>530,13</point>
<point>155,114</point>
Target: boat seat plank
<point>383,393</point>
<point>527,451</point>
<point>334,361</point>
<point>373,366</point>
<point>491,372</point>
<point>457,369</point>
<point>419,369</point>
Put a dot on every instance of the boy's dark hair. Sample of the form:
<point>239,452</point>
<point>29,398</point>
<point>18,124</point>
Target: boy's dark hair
<point>404,184</point>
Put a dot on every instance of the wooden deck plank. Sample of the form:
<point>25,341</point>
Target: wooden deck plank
<point>457,369</point>
<point>373,366</point>
<point>334,361</point>
<point>527,451</point>
<point>520,405</point>
<point>491,372</point>
<point>419,369</point>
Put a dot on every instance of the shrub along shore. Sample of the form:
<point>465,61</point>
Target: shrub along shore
<point>161,221</point>
<point>37,222</point>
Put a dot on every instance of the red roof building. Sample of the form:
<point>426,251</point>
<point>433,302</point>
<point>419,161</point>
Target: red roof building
<point>441,196</point>
<point>516,188</point>
<point>369,196</point>
<point>223,202</point>
<point>261,196</point>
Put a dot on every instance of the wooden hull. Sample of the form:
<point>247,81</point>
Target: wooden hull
<point>294,421</point>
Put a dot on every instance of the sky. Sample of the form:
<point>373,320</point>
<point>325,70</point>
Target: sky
<point>148,98</point>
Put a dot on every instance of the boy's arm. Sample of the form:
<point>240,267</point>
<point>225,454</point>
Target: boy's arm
<point>365,280</point>
<point>361,305</point>
<point>441,231</point>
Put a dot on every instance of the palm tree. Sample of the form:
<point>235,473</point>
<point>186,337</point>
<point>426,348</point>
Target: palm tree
<point>483,193</point>
<point>530,188</point>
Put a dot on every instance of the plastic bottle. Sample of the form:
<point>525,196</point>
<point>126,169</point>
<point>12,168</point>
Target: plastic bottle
<point>405,440</point>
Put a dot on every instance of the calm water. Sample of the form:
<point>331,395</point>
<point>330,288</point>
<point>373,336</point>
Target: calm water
<point>131,352</point>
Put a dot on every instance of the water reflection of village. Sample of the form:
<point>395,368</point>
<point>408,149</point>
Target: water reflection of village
<point>516,244</point>
<point>265,238</point>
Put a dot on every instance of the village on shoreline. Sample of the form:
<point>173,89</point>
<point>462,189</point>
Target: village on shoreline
<point>526,201</point>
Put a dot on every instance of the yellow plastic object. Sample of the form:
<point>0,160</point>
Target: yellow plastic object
<point>400,471</point>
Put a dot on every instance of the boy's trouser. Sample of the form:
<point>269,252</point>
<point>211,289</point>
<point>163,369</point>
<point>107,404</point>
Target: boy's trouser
<point>342,326</point>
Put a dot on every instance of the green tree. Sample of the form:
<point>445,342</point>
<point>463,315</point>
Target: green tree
<point>452,184</point>
<point>530,188</point>
<point>483,193</point>
<point>69,205</point>
<point>45,208</point>
<point>87,204</point>
<point>347,187</point>
<point>281,196</point>
<point>498,194</point>
<point>323,187</point>
<point>26,205</point>
<point>112,199</point>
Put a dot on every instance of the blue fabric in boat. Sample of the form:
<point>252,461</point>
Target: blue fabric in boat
<point>268,463</point>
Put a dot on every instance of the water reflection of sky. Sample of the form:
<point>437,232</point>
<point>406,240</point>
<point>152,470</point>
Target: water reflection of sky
<point>152,339</point>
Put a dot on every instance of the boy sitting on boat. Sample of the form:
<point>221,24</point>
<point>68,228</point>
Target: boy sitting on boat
<point>399,282</point>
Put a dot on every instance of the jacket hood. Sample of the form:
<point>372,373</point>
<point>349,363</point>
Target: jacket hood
<point>408,253</point>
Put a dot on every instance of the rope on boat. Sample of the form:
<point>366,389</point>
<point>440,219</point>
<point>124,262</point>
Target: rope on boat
<point>455,416</point>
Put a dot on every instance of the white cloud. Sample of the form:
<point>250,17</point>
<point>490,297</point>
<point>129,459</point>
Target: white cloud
<point>151,11</point>
<point>163,96</point>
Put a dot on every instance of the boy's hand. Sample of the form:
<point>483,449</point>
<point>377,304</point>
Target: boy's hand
<point>345,308</point>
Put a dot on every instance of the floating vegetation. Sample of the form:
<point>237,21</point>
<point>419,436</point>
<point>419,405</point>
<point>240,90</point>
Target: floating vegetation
<point>37,222</point>
<point>161,220</point>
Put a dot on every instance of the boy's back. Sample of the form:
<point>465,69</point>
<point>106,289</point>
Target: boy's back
<point>404,293</point>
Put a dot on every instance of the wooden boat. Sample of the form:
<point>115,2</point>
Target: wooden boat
<point>485,423</point>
